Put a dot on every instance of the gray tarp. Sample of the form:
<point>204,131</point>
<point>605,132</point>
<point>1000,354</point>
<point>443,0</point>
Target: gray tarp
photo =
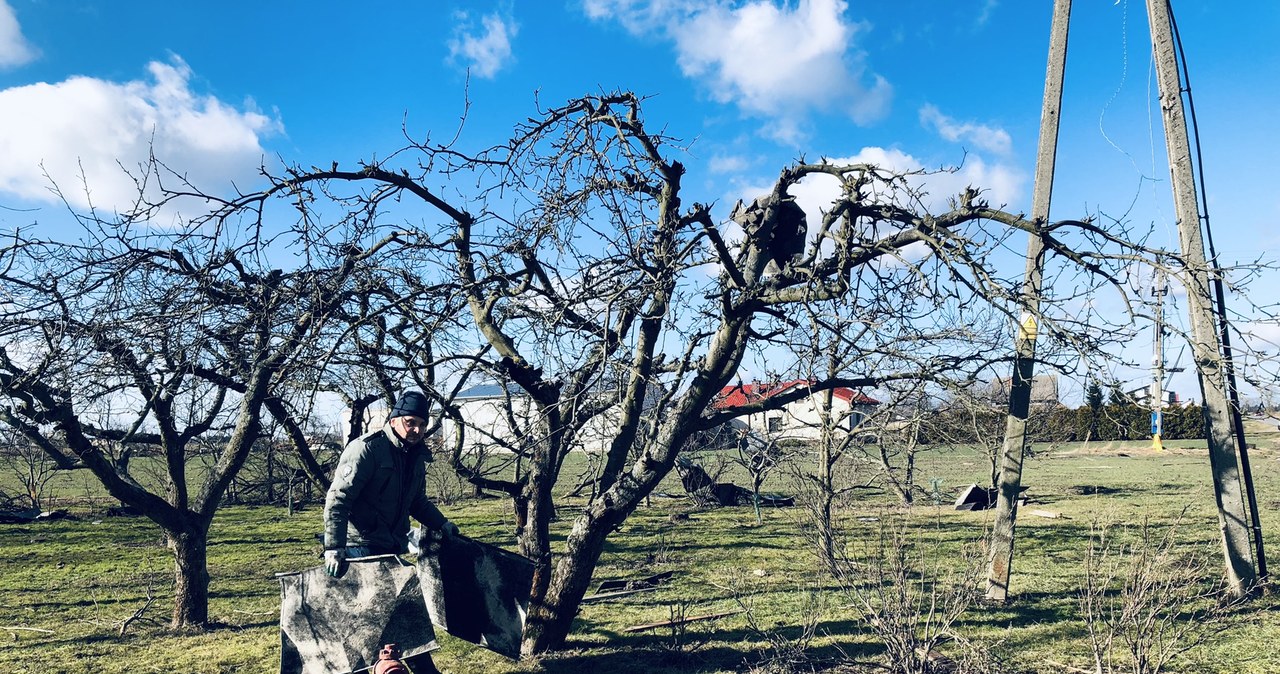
<point>477,592</point>
<point>474,591</point>
<point>337,625</point>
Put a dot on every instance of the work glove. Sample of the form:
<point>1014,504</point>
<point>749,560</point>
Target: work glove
<point>449,529</point>
<point>418,539</point>
<point>335,562</point>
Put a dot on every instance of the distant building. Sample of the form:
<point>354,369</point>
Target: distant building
<point>1044,390</point>
<point>489,410</point>
<point>1142,397</point>
<point>800,419</point>
<point>373,419</point>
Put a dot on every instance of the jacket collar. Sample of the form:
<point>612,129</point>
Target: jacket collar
<point>397,441</point>
<point>419,449</point>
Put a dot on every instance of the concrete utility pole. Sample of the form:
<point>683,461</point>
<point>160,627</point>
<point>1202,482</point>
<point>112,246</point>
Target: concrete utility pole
<point>1157,364</point>
<point>1015,434</point>
<point>1206,347</point>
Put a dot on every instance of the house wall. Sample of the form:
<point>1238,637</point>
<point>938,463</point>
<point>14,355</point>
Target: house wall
<point>803,419</point>
<point>488,429</point>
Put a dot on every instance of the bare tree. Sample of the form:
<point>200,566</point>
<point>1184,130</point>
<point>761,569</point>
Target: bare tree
<point>173,342</point>
<point>29,464</point>
<point>599,294</point>
<point>759,457</point>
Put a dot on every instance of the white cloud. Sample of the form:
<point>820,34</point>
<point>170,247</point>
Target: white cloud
<point>82,131</point>
<point>780,62</point>
<point>642,17</point>
<point>980,136</point>
<point>14,49</point>
<point>724,163</point>
<point>484,49</point>
<point>1000,185</point>
<point>984,15</point>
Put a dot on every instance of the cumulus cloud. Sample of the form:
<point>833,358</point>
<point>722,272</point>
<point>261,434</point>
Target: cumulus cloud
<point>1000,184</point>
<point>14,49</point>
<point>779,62</point>
<point>484,49</point>
<point>936,189</point>
<point>83,133</point>
<point>980,136</point>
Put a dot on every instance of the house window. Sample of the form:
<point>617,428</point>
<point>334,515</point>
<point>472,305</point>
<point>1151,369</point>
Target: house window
<point>774,424</point>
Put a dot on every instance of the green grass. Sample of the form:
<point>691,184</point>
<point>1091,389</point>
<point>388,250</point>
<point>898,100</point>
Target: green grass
<point>69,583</point>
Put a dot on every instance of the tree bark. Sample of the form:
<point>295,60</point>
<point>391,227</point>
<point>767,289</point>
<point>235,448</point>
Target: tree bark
<point>190,547</point>
<point>551,619</point>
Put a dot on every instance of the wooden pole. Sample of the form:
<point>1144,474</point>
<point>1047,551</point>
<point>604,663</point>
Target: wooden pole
<point>1015,437</point>
<point>1206,347</point>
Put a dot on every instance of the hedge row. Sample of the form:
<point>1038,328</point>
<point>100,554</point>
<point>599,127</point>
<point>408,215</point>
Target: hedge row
<point>1063,424</point>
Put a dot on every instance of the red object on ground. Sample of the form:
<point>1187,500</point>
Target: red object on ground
<point>389,661</point>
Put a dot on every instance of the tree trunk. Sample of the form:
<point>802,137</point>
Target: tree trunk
<point>271,478</point>
<point>533,514</point>
<point>550,619</point>
<point>824,510</point>
<point>191,575</point>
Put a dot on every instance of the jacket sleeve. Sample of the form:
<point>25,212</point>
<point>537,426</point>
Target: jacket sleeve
<point>349,477</point>
<point>426,512</point>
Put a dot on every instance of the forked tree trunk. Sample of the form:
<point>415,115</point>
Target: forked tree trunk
<point>551,616</point>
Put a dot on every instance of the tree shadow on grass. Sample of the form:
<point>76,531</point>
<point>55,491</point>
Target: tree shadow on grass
<point>700,649</point>
<point>655,655</point>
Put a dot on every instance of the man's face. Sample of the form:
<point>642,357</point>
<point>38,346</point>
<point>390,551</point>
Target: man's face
<point>410,428</point>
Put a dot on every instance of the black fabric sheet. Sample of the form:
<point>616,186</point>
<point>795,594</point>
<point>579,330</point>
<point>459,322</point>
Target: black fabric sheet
<point>477,592</point>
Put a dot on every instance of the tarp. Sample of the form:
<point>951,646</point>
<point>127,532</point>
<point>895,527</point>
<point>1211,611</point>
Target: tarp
<point>337,625</point>
<point>477,592</point>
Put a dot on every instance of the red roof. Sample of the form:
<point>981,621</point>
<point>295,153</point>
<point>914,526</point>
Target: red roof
<point>744,394</point>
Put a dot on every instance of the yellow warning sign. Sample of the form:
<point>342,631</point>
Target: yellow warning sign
<point>1028,329</point>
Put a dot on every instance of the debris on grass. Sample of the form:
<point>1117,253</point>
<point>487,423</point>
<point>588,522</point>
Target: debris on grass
<point>648,582</point>
<point>601,596</point>
<point>980,498</point>
<point>682,621</point>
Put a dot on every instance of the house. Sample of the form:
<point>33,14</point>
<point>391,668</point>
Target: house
<point>1044,391</point>
<point>498,418</point>
<point>800,419</point>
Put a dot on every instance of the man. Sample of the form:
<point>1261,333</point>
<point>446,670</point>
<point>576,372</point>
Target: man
<point>380,481</point>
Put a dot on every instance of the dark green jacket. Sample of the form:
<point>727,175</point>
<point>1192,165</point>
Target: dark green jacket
<point>377,485</point>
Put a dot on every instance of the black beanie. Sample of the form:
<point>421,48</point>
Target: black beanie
<point>411,404</point>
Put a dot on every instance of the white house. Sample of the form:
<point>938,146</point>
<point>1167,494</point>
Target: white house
<point>488,412</point>
<point>801,419</point>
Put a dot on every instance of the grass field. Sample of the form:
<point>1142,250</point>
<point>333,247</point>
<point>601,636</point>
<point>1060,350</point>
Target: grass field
<point>66,585</point>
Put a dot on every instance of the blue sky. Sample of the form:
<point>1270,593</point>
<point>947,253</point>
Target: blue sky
<point>748,85</point>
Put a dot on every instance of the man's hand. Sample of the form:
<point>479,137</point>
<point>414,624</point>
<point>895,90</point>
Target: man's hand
<point>449,529</point>
<point>335,562</point>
